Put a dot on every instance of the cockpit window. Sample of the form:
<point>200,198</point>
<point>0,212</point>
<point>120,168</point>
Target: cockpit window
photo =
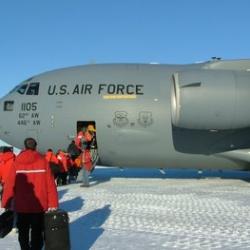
<point>27,88</point>
<point>33,89</point>
<point>8,106</point>
<point>21,90</point>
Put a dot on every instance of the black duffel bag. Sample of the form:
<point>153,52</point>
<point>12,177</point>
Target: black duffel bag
<point>6,222</point>
<point>55,168</point>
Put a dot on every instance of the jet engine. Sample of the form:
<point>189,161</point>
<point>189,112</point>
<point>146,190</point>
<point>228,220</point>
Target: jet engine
<point>211,99</point>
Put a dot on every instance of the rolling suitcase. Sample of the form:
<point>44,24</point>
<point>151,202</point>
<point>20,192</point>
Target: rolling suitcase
<point>56,230</point>
<point>6,222</point>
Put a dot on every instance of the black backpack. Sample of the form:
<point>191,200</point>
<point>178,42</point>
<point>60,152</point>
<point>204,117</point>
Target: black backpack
<point>55,168</point>
<point>73,150</point>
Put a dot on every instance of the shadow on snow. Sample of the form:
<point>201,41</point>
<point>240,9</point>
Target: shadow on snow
<point>85,230</point>
<point>105,174</point>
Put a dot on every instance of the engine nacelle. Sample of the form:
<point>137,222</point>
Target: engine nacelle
<point>211,99</point>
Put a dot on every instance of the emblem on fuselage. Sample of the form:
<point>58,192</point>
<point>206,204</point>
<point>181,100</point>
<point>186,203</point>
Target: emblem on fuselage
<point>145,118</point>
<point>120,119</point>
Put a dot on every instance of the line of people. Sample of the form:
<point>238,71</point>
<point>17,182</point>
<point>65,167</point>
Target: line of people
<point>63,167</point>
<point>29,186</point>
<point>78,161</point>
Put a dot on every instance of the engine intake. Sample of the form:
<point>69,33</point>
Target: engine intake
<point>211,99</point>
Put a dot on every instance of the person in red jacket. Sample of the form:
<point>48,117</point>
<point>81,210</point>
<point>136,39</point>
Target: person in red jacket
<point>82,136</point>
<point>64,163</point>
<point>51,157</point>
<point>53,162</point>
<point>30,191</point>
<point>86,165</point>
<point>6,161</point>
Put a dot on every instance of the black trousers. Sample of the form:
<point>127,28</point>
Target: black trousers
<point>30,230</point>
<point>62,178</point>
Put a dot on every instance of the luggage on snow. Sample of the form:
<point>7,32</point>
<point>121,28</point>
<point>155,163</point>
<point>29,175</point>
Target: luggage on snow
<point>56,230</point>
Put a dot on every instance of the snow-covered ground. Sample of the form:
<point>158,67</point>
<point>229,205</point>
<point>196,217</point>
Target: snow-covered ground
<point>144,209</point>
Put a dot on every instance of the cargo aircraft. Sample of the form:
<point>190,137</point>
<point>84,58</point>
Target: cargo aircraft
<point>145,115</point>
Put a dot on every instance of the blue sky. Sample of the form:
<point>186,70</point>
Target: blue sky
<point>36,36</point>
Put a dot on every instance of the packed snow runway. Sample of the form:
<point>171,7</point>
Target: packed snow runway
<point>144,209</point>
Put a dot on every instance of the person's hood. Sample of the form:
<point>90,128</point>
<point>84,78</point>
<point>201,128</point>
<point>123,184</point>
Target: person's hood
<point>28,157</point>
